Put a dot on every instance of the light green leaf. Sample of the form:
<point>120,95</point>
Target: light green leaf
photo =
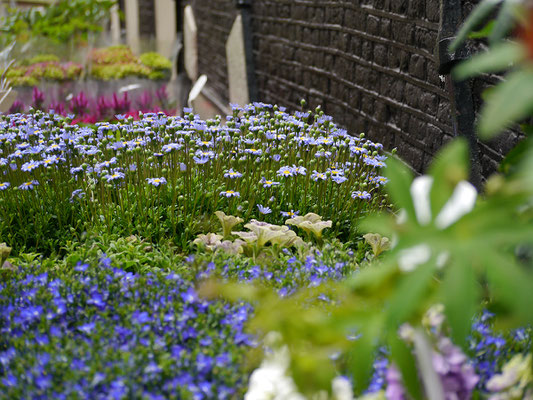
<point>511,285</point>
<point>483,32</point>
<point>400,179</point>
<point>504,22</point>
<point>460,292</point>
<point>497,58</point>
<point>361,356</point>
<point>511,101</point>
<point>449,167</point>
<point>405,361</point>
<point>410,292</point>
<point>476,18</point>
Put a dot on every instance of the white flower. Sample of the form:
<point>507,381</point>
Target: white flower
<point>460,203</point>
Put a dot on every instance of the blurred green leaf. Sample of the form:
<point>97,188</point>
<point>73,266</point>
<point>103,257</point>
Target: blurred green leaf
<point>483,32</point>
<point>516,156</point>
<point>460,292</point>
<point>497,58</point>
<point>504,22</point>
<point>476,18</point>
<point>408,297</point>
<point>400,178</point>
<point>361,356</point>
<point>402,355</point>
<point>511,101</point>
<point>448,168</point>
<point>511,285</point>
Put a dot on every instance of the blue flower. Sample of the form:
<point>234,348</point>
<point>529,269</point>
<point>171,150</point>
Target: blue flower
<point>339,179</point>
<point>361,195</point>
<point>255,152</point>
<point>318,175</point>
<point>114,176</point>
<point>157,181</point>
<point>51,160</point>
<point>290,214</point>
<point>200,160</point>
<point>232,174</point>
<point>264,210</point>
<point>30,165</point>
<point>286,171</point>
<point>87,328</point>
<point>4,185</point>
<point>28,185</point>
<point>230,193</point>
<point>266,183</point>
<point>380,180</point>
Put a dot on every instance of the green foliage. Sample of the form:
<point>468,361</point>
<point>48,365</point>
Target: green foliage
<point>466,259</point>
<point>60,22</point>
<point>160,66</point>
<point>41,58</point>
<point>117,62</point>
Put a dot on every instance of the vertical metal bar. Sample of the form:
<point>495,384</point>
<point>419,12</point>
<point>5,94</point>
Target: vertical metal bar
<point>451,18</point>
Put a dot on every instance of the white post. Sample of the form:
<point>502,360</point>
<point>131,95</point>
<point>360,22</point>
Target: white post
<point>132,25</point>
<point>236,60</point>
<point>190,44</point>
<point>115,25</point>
<point>165,26</point>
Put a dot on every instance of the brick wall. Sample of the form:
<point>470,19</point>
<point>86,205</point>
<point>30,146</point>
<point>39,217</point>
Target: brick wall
<point>368,63</point>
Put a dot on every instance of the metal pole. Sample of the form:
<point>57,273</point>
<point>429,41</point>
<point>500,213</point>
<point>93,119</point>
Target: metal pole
<point>451,18</point>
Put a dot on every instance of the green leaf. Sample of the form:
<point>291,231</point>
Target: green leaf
<point>406,363</point>
<point>497,58</point>
<point>511,285</point>
<point>460,293</point>
<point>516,156</point>
<point>483,32</point>
<point>410,292</point>
<point>400,179</point>
<point>475,19</point>
<point>504,22</point>
<point>449,167</point>
<point>361,357</point>
<point>511,101</point>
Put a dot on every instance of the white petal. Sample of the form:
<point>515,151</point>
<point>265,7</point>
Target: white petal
<point>462,202</point>
<point>420,189</point>
<point>412,257</point>
<point>342,388</point>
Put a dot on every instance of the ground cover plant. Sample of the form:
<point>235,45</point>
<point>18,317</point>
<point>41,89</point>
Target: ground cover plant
<point>164,177</point>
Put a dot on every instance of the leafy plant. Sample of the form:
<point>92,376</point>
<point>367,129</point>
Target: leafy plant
<point>60,21</point>
<point>447,249</point>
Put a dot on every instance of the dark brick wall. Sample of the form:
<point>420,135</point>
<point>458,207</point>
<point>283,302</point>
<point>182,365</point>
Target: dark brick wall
<point>147,18</point>
<point>369,63</point>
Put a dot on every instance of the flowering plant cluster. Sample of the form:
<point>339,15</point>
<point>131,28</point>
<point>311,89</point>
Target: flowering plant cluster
<point>165,176</point>
<point>99,332</point>
<point>88,110</point>
<point>51,70</point>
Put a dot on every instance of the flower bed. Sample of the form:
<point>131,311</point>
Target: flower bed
<point>134,318</point>
<point>60,179</point>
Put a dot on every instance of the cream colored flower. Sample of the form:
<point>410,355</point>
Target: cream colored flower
<point>227,222</point>
<point>310,223</point>
<point>209,241</point>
